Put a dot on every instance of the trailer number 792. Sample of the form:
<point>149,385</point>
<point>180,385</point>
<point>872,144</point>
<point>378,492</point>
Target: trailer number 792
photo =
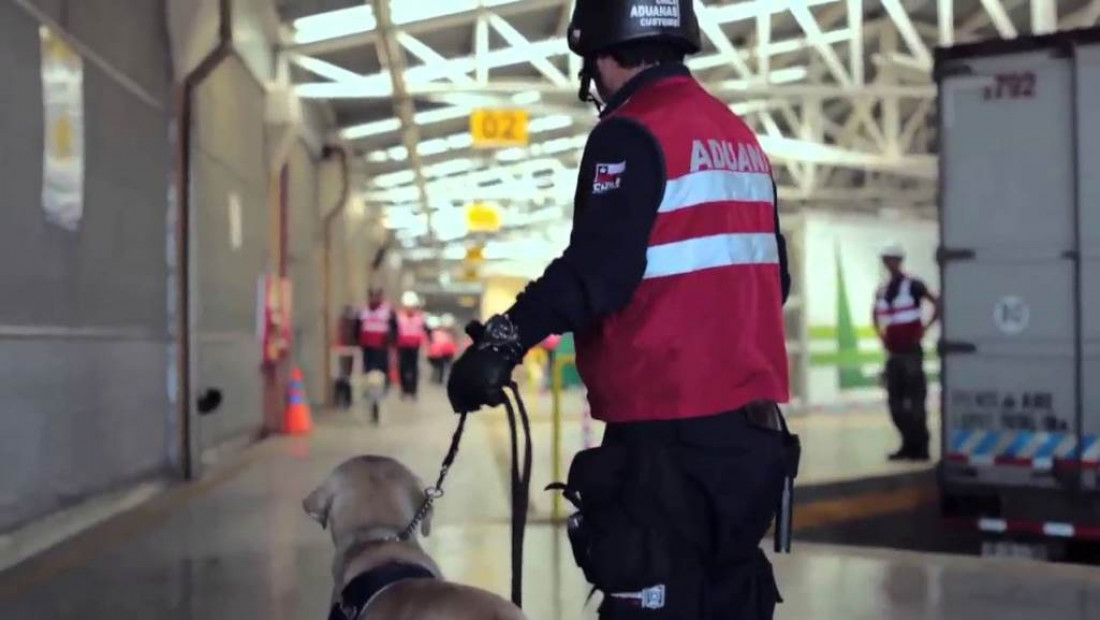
<point>1014,85</point>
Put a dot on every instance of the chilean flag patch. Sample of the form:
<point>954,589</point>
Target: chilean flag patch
<point>608,177</point>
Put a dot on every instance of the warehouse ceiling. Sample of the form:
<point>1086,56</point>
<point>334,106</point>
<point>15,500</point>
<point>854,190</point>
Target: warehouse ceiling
<point>839,92</point>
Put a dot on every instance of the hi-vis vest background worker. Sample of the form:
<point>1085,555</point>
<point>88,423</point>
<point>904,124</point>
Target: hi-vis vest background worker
<point>673,283</point>
<point>377,328</point>
<point>898,319</point>
<point>412,331</point>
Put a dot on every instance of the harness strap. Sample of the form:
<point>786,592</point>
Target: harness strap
<point>357,596</point>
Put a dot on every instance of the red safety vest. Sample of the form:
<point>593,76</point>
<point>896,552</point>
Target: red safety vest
<point>442,344</point>
<point>703,333</point>
<point>901,317</point>
<point>374,326</point>
<point>410,329</point>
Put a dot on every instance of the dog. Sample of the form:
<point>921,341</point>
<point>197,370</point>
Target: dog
<point>367,503</point>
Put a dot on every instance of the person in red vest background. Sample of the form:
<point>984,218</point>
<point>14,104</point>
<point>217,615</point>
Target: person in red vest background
<point>442,348</point>
<point>673,284</point>
<point>899,321</point>
<point>377,330</point>
<point>412,331</point>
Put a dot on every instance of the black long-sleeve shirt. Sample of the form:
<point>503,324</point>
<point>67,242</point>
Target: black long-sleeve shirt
<point>605,261</point>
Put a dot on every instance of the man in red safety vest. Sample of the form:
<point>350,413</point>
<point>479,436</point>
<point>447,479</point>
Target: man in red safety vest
<point>377,330</point>
<point>441,348</point>
<point>412,331</point>
<point>900,325</point>
<point>673,283</point>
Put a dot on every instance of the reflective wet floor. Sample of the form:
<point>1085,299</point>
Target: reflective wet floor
<point>237,545</point>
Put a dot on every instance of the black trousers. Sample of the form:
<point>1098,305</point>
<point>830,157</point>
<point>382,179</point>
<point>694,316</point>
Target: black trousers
<point>907,389</point>
<point>376,359</point>
<point>440,367</point>
<point>733,472</point>
<point>408,365</point>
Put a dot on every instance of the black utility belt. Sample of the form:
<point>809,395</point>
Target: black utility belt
<point>636,516</point>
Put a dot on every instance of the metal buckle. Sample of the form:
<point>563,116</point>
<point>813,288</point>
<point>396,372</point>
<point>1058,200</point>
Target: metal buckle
<point>652,597</point>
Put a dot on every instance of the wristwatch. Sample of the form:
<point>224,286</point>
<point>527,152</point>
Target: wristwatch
<point>502,335</point>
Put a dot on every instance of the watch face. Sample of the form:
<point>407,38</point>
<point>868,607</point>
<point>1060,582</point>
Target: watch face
<point>501,330</point>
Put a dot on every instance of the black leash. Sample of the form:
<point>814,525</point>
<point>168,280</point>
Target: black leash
<point>521,489</point>
<point>521,486</point>
<point>433,493</point>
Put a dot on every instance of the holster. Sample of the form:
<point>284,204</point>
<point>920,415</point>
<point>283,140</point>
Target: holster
<point>626,500</point>
<point>784,514</point>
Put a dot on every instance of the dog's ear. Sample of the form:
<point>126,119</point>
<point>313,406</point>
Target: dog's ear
<point>318,503</point>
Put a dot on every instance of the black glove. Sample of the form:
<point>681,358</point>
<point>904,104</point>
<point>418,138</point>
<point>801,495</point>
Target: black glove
<point>481,372</point>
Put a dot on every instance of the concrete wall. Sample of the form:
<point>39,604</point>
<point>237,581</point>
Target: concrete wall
<point>83,317</point>
<point>229,166</point>
<point>234,158</point>
<point>86,399</point>
<point>304,267</point>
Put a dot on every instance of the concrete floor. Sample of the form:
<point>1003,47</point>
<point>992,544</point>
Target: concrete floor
<point>237,544</point>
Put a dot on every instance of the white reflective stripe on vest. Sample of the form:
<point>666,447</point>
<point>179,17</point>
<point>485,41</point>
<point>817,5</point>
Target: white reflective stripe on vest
<point>903,309</point>
<point>410,325</point>
<point>701,253</point>
<point>904,298</point>
<point>903,316</point>
<point>709,186</point>
<point>375,321</point>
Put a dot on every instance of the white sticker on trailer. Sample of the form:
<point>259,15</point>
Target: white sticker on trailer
<point>993,525</point>
<point>1061,530</point>
<point>1012,315</point>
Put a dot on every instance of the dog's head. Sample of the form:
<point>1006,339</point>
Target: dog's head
<point>367,492</point>
<point>376,384</point>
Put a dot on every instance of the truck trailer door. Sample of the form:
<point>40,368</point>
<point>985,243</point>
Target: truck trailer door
<point>1009,226</point>
<point>1088,166</point>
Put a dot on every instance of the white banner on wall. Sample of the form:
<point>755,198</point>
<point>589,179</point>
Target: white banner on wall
<point>63,152</point>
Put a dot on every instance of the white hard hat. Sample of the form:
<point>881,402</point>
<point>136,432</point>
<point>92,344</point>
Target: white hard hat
<point>447,320</point>
<point>410,299</point>
<point>892,250</point>
<point>432,321</point>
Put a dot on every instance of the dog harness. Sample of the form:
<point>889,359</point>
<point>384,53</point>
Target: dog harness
<point>360,592</point>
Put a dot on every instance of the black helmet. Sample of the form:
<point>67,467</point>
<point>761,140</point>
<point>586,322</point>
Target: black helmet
<point>601,24</point>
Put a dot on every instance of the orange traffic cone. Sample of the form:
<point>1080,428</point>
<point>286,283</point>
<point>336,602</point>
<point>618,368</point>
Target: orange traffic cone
<point>298,419</point>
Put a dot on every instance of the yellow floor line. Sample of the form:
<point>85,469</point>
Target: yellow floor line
<point>819,513</point>
<point>867,505</point>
